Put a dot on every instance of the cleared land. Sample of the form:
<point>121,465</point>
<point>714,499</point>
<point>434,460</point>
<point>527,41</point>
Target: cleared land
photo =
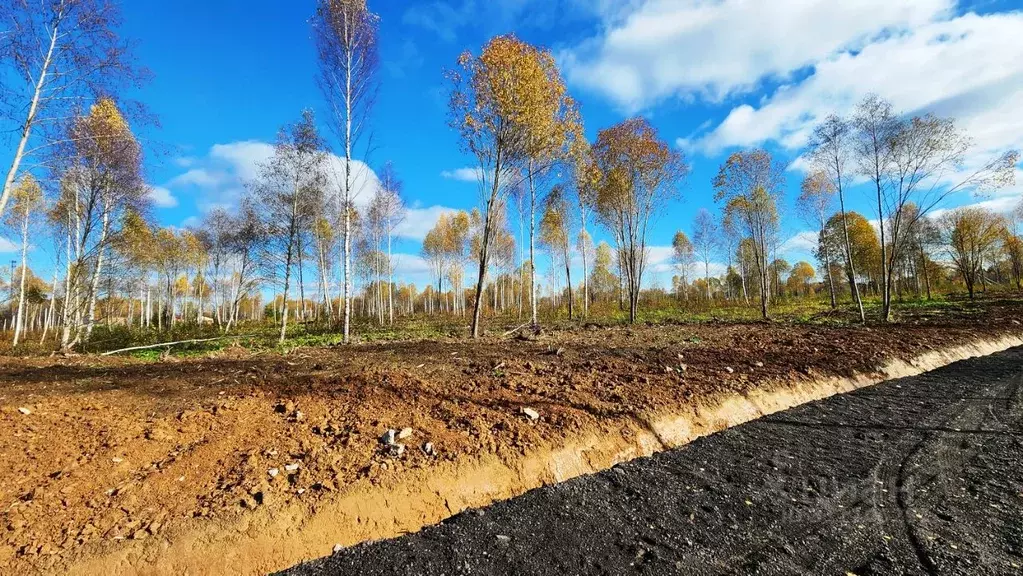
<point>125,463</point>
<point>920,475</point>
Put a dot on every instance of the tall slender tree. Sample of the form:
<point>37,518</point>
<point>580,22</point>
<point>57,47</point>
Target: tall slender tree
<point>707,242</point>
<point>289,190</point>
<point>58,55</point>
<point>556,235</point>
<point>504,104</point>
<point>639,175</point>
<point>346,39</point>
<point>750,183</point>
<point>816,196</point>
<point>390,207</point>
<point>830,151</point>
<point>101,179</point>
<point>683,253</point>
<point>28,199</point>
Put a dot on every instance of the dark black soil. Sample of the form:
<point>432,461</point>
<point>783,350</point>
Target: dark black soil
<point>920,475</point>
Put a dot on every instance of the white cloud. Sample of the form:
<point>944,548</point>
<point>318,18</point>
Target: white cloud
<point>162,197</point>
<point>968,67</point>
<point>419,221</point>
<point>245,156</point>
<point>462,174</point>
<point>801,244</point>
<point>1004,204</point>
<point>219,179</point>
<point>658,49</point>
<point>6,246</point>
<point>660,262</point>
<point>200,177</point>
<point>412,268</point>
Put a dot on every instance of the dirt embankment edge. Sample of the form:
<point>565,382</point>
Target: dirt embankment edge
<point>261,542</point>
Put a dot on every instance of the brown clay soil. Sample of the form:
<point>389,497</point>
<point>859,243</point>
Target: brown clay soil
<point>114,451</point>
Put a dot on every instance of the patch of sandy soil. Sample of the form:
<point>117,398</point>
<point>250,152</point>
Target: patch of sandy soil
<point>246,463</point>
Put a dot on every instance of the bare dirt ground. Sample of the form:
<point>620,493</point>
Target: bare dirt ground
<point>100,453</point>
<point>915,476</point>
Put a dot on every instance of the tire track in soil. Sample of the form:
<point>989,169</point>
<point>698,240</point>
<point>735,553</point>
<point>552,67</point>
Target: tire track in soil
<point>873,459</point>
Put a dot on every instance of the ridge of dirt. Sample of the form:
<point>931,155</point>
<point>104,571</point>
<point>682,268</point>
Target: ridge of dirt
<point>131,467</point>
<point>917,475</point>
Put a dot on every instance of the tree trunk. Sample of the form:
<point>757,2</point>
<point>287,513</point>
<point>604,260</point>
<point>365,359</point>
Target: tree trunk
<point>390,283</point>
<point>93,291</point>
<point>853,285</point>
<point>827,267</point>
<point>20,321</point>
<point>26,129</point>
<point>568,280</point>
<point>586,287</point>
<point>48,319</point>
<point>477,307</point>
<point>532,248</point>
<point>284,304</point>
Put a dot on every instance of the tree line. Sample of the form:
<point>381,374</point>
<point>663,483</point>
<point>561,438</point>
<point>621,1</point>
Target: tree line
<point>316,221</point>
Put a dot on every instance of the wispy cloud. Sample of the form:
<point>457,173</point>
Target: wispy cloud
<point>162,197</point>
<point>648,51</point>
<point>462,174</point>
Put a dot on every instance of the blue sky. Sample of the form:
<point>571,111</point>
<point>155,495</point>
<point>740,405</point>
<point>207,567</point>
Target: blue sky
<point>711,75</point>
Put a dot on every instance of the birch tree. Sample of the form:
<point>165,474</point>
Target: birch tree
<point>971,235</point>
<point>816,197</point>
<point>682,253</point>
<point>390,210</point>
<point>503,103</point>
<point>587,177</point>
<point>28,199</point>
<point>346,40</point>
<point>749,184</point>
<point>830,152</point>
<point>57,55</point>
<point>639,175</point>
<point>556,234</point>
<point>706,242</point>
<point>920,160</point>
<point>289,189</point>
<point>101,181</point>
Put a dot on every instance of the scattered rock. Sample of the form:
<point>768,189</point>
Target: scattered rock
<point>273,472</point>
<point>531,414</point>
<point>158,433</point>
<point>683,367</point>
<point>117,460</point>
<point>337,548</point>
<point>405,434</point>
<point>388,438</point>
<point>501,538</point>
<point>24,411</point>
<point>758,364</point>
<point>729,369</point>
<point>397,450</point>
<point>291,467</point>
<point>428,449</point>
